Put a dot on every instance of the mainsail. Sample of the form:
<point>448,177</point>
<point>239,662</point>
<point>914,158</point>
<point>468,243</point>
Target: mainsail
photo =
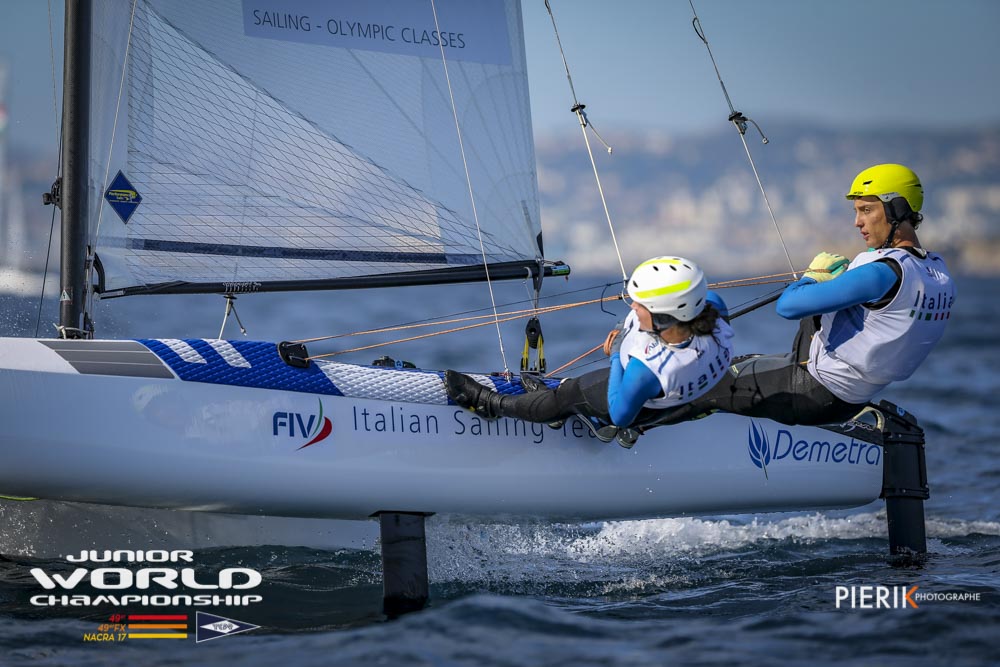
<point>5,242</point>
<point>311,147</point>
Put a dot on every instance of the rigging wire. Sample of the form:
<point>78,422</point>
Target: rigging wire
<point>508,317</point>
<point>578,109</point>
<point>92,245</point>
<point>437,320</point>
<point>468,180</point>
<point>455,318</point>
<point>57,124</point>
<point>740,310</point>
<point>497,320</point>
<point>573,361</point>
<point>740,122</point>
<point>55,94</point>
<point>756,280</point>
<point>48,256</point>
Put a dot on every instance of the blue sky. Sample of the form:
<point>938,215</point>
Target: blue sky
<point>638,63</point>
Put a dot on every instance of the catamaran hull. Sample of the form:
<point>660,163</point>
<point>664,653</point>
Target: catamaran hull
<point>52,529</point>
<point>70,432</point>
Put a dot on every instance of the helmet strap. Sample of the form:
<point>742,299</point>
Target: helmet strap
<point>892,235</point>
<point>895,212</point>
<point>663,322</point>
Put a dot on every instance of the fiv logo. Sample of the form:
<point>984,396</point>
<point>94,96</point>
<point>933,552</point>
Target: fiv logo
<point>310,427</point>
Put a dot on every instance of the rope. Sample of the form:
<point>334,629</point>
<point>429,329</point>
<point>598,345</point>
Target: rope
<point>740,282</point>
<point>92,248</point>
<point>584,122</point>
<point>463,312</point>
<point>231,308</point>
<point>45,271</point>
<point>770,298</point>
<point>497,319</point>
<point>522,313</point>
<point>740,122</point>
<point>570,363</point>
<point>417,325</point>
<point>468,180</point>
<point>509,317</point>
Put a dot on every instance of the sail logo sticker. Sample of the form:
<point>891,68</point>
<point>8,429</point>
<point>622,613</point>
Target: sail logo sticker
<point>313,428</point>
<point>210,626</point>
<point>123,197</point>
<point>470,31</point>
<point>787,447</point>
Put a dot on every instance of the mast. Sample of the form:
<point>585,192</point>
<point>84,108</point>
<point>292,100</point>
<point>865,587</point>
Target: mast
<point>75,147</point>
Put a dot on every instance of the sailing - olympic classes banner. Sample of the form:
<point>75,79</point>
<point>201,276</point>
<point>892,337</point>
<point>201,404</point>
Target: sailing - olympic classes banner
<point>472,30</point>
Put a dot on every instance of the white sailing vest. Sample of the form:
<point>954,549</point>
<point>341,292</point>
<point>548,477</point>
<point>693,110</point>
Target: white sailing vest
<point>685,371</point>
<point>860,350</point>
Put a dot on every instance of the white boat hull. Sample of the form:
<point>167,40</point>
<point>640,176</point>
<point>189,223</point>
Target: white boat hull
<point>164,442</point>
<point>52,529</point>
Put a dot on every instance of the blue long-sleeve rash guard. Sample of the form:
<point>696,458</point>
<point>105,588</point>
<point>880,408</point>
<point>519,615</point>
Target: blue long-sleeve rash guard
<point>629,388</point>
<point>864,284</point>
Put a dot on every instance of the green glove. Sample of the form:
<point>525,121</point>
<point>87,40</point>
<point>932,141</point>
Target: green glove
<point>826,266</point>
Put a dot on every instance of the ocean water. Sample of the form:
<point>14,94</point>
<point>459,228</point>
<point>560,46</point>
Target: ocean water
<point>701,591</point>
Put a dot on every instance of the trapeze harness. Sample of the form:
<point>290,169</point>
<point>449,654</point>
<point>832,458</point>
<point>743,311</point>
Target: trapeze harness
<point>841,359</point>
<point>684,372</point>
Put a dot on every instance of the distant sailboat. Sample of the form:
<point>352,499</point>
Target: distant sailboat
<point>317,149</point>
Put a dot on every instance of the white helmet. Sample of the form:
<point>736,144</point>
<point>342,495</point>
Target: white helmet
<point>669,286</point>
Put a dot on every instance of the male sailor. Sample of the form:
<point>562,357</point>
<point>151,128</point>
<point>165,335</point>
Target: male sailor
<point>864,324</point>
<point>672,348</point>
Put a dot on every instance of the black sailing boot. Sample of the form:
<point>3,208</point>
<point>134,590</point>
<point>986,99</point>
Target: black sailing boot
<point>470,394</point>
<point>532,383</point>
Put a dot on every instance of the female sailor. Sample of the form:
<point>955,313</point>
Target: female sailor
<point>672,348</point>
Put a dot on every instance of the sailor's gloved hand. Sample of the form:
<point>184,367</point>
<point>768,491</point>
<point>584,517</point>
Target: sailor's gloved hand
<point>826,266</point>
<point>613,342</point>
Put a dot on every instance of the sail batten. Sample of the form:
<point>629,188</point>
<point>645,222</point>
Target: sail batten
<point>366,256</point>
<point>269,154</point>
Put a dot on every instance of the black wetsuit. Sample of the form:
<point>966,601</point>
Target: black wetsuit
<point>773,386</point>
<point>585,395</point>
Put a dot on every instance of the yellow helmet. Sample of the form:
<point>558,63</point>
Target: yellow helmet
<point>888,181</point>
